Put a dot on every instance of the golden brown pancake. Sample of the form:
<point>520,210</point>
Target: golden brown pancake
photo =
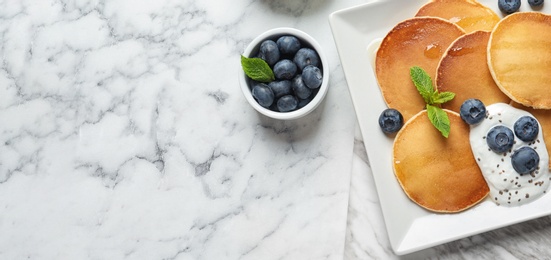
<point>419,41</point>
<point>544,118</point>
<point>468,14</point>
<point>519,58</point>
<point>439,174</point>
<point>464,71</point>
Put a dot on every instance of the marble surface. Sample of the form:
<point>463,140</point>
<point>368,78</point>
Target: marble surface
<point>124,135</point>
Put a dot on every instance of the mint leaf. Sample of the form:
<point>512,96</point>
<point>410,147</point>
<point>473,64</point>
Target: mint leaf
<point>257,69</point>
<point>443,97</point>
<point>439,118</point>
<point>423,83</point>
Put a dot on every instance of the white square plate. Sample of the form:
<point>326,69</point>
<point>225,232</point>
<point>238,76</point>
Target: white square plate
<point>410,227</point>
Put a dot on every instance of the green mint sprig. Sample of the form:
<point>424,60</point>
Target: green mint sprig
<point>433,98</point>
<point>257,69</point>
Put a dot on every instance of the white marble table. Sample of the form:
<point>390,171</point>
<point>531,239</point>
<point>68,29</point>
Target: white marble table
<point>124,135</point>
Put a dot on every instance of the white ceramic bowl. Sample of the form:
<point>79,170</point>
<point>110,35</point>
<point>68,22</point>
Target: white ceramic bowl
<point>306,41</point>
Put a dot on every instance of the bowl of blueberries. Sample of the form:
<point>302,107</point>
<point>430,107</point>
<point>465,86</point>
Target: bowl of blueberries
<point>284,73</point>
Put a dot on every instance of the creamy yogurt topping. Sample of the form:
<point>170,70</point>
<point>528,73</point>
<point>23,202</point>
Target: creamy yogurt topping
<point>507,187</point>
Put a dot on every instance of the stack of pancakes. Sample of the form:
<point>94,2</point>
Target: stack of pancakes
<point>466,49</point>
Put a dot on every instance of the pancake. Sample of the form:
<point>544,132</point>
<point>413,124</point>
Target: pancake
<point>464,71</point>
<point>419,41</point>
<point>468,14</point>
<point>439,174</point>
<point>544,118</point>
<point>519,58</point>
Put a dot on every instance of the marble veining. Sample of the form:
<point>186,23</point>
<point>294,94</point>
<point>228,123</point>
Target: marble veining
<point>125,135</point>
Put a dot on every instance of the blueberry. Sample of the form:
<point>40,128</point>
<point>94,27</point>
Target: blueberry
<point>535,2</point>
<point>500,139</point>
<point>508,6</point>
<point>263,94</point>
<point>391,121</point>
<point>312,76</point>
<point>472,111</point>
<point>305,57</point>
<point>303,102</point>
<point>526,128</point>
<point>525,160</point>
<point>285,69</point>
<point>287,103</point>
<point>269,52</point>
<point>300,89</point>
<point>281,88</point>
<point>288,44</point>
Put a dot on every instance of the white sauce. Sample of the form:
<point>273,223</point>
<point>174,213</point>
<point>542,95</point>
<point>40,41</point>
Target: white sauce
<point>507,187</point>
